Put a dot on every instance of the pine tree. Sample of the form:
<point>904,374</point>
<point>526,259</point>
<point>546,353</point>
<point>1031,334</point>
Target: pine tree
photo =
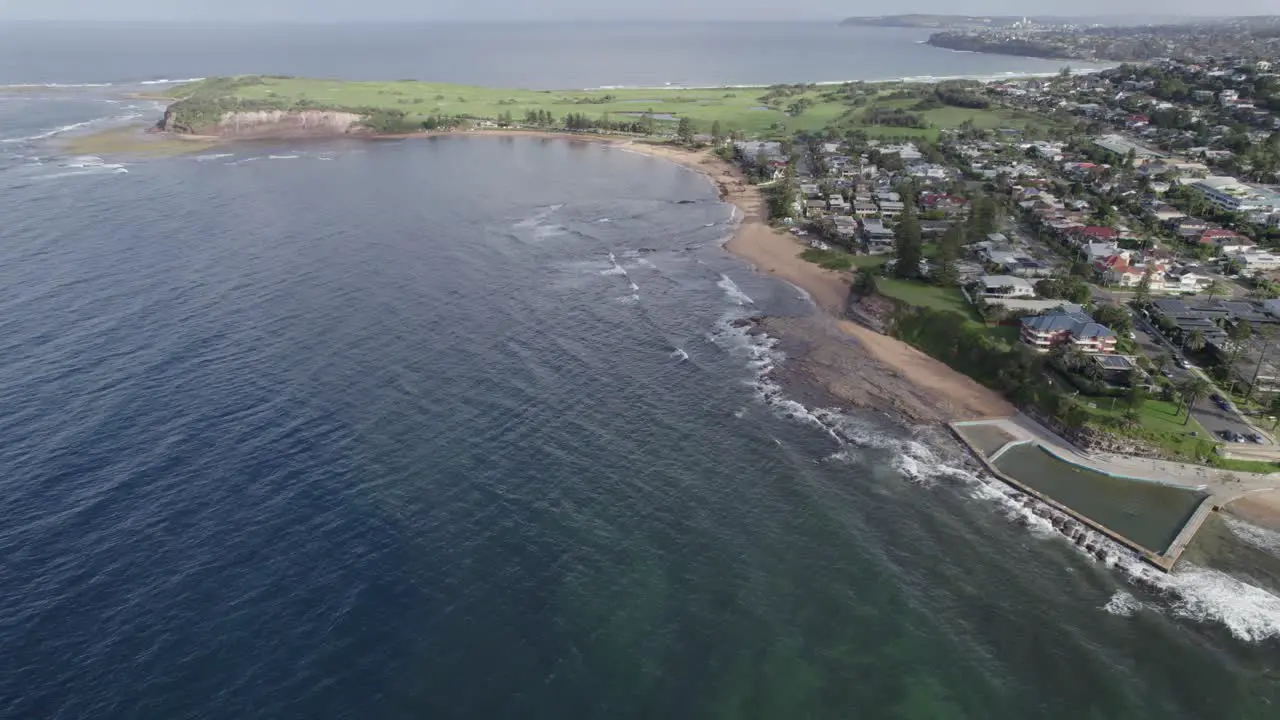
<point>907,245</point>
<point>684,130</point>
<point>946,273</point>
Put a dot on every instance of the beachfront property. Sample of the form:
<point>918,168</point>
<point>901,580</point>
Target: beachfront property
<point>1043,333</point>
<point>877,237</point>
<point>1005,286</point>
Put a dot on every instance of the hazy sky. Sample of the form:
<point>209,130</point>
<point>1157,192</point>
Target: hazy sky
<point>496,10</point>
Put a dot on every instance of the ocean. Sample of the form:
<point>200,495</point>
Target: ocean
<point>466,427</point>
<point>539,56</point>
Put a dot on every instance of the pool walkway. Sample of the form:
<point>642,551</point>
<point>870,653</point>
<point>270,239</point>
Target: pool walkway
<point>988,439</point>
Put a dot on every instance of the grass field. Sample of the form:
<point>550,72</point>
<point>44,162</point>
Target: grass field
<point>1161,424</point>
<point>916,292</point>
<point>745,110</point>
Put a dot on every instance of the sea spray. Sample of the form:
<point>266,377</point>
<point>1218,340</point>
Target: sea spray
<point>1191,592</point>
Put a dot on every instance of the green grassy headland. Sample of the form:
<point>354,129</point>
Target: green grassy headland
<point>756,111</point>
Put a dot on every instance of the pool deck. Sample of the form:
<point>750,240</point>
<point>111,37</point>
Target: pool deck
<point>1222,486</point>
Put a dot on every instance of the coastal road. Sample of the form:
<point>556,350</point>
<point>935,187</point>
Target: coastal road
<point>1213,418</point>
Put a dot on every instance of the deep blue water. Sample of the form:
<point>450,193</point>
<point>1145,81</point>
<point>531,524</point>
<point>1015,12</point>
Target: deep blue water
<point>462,428</point>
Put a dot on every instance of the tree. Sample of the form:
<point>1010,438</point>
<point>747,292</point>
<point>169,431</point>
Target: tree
<point>946,273</point>
<point>1213,289</point>
<point>717,133</point>
<point>907,244</point>
<point>1239,335</point>
<point>1142,293</point>
<point>1194,340</point>
<point>1192,390</point>
<point>684,130</point>
<point>1274,407</point>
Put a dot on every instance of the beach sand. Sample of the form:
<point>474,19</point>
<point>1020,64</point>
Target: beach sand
<point>1260,508</point>
<point>855,366</point>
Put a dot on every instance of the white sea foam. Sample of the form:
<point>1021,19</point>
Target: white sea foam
<point>1261,538</point>
<point>166,81</point>
<point>1122,604</point>
<point>283,157</point>
<point>604,220</point>
<point>213,156</point>
<point>731,289</point>
<point>680,353</point>
<point>1250,613</point>
<point>536,219</point>
<point>1193,593</point>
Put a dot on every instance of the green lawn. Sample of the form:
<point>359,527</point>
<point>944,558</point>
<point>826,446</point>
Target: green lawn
<point>736,108</point>
<point>1161,423</point>
<point>1252,466</point>
<point>741,109</point>
<point>916,292</point>
<point>943,118</point>
<point>830,259</point>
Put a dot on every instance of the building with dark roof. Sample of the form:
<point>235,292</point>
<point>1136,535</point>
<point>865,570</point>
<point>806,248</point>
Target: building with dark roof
<point>1045,332</point>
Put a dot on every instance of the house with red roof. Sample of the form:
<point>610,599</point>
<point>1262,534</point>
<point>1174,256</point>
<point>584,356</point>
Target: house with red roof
<point>1228,241</point>
<point>952,205</point>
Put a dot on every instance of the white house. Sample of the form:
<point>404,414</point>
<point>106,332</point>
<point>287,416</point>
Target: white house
<point>1257,261</point>
<point>1005,286</point>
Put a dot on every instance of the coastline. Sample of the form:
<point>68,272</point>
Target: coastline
<point>846,363</point>
<point>831,360</point>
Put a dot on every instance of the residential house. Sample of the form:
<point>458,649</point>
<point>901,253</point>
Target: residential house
<point>951,205</point>
<point>1259,261</point>
<point>845,226</point>
<point>865,208</point>
<point>1005,286</point>
<point>1189,229</point>
<point>907,151</point>
<point>878,238</point>
<point>1045,332</point>
<point>1228,241</point>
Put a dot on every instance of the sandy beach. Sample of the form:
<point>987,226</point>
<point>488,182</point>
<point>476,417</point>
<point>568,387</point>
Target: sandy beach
<point>855,365</point>
<point>1261,509</point>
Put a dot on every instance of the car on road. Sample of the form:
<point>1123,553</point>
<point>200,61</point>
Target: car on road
<point>1220,401</point>
<point>1254,438</point>
<point>1231,436</point>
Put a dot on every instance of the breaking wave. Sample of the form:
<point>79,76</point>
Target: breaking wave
<point>1191,592</point>
<point>733,291</point>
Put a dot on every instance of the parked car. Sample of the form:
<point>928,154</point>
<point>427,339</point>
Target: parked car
<point>1254,438</point>
<point>1225,435</point>
<point>1180,363</point>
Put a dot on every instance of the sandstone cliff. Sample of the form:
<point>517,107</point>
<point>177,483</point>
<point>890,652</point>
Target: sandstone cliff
<point>271,124</point>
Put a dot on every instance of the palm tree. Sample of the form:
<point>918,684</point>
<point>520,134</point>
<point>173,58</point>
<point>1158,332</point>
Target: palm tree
<point>1193,389</point>
<point>1131,418</point>
<point>1213,289</point>
<point>1195,341</point>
